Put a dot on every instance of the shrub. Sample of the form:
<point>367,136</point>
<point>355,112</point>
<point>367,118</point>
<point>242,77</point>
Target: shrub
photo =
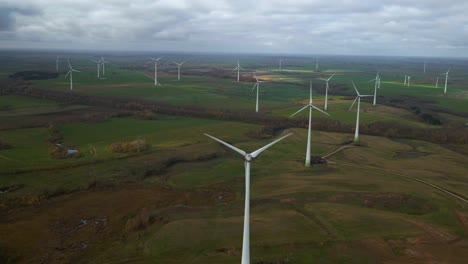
<point>138,145</point>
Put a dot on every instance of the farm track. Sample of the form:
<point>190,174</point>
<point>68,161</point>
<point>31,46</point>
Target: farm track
<point>434,186</point>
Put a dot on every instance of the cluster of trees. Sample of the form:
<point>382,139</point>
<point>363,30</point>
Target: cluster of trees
<point>445,134</point>
<point>138,145</point>
<point>57,148</point>
<point>34,75</point>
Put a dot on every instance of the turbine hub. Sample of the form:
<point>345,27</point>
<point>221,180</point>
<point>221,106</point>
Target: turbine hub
<point>248,157</point>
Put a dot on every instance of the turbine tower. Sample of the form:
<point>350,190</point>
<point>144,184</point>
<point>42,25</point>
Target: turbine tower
<point>326,91</point>
<point>57,63</point>
<point>248,158</point>
<point>238,68</point>
<point>425,61</point>
<point>358,98</point>
<point>446,80</point>
<point>437,82</point>
<point>98,66</point>
<point>70,72</point>
<point>178,69</point>
<point>408,82</point>
<point>257,84</point>
<point>406,76</point>
<point>280,61</point>
<point>310,106</point>
<point>376,86</point>
<point>316,64</point>
<point>155,70</point>
<point>103,63</point>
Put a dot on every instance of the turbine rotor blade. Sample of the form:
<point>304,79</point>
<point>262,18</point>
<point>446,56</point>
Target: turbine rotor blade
<point>320,110</point>
<point>330,77</point>
<point>67,74</point>
<point>299,110</point>
<point>260,150</point>
<point>353,103</point>
<point>355,88</point>
<point>254,87</point>
<point>240,151</point>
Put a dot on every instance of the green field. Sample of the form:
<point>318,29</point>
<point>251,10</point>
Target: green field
<point>385,200</point>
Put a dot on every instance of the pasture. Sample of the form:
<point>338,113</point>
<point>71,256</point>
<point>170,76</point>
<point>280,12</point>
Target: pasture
<point>393,200</point>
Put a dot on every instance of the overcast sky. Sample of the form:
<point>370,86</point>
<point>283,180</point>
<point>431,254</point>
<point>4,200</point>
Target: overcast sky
<point>358,27</point>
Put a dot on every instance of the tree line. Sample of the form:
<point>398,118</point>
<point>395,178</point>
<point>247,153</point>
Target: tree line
<point>449,133</point>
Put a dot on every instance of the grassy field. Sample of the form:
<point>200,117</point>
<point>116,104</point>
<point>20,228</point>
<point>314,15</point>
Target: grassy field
<point>182,200</point>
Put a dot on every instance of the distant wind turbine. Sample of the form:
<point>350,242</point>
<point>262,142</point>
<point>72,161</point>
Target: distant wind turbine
<point>405,80</point>
<point>408,82</point>
<point>248,158</point>
<point>316,64</point>
<point>257,84</point>
<point>310,106</point>
<point>178,69</point>
<point>155,69</point>
<point>437,82</point>
<point>376,86</point>
<point>98,66</point>
<point>70,72</point>
<point>280,61</point>
<point>57,63</point>
<point>238,68</point>
<point>425,61</point>
<point>103,63</point>
<point>446,80</point>
<point>358,98</point>
<point>326,91</point>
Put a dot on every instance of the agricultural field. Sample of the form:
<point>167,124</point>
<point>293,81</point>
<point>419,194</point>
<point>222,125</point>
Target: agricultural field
<point>119,170</point>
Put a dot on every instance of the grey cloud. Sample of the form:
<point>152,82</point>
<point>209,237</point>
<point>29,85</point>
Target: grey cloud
<point>388,27</point>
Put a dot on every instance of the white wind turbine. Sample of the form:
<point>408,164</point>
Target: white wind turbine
<point>358,98</point>
<point>376,86</point>
<point>310,106</point>
<point>155,69</point>
<point>103,63</point>
<point>326,91</point>
<point>70,72</point>
<point>57,63</point>
<point>425,61</point>
<point>280,61</point>
<point>238,68</point>
<point>257,84</point>
<point>446,80</point>
<point>178,69</point>
<point>406,76</point>
<point>248,158</point>
<point>437,82</point>
<point>408,81</point>
<point>316,64</point>
<point>98,66</point>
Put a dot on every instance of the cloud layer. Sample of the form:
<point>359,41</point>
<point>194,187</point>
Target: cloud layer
<point>388,27</point>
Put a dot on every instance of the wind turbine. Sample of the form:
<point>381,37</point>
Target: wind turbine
<point>280,61</point>
<point>358,98</point>
<point>57,63</point>
<point>238,68</point>
<point>155,69</point>
<point>326,90</point>
<point>70,72</point>
<point>316,64</point>
<point>178,69</point>
<point>406,76</point>
<point>408,82</point>
<point>376,86</point>
<point>98,66</point>
<point>248,158</point>
<point>310,106</point>
<point>446,79</point>
<point>257,84</point>
<point>425,61</point>
<point>103,62</point>
<point>437,82</point>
